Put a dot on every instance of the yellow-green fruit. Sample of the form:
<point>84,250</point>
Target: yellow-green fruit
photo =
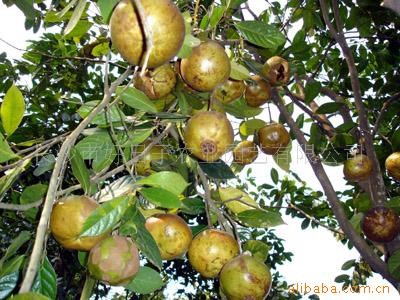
<point>229,193</point>
<point>164,21</point>
<point>245,152</point>
<point>29,296</point>
<point>206,67</point>
<point>392,165</point>
<point>171,233</point>
<point>245,277</point>
<point>273,138</point>
<point>357,168</point>
<point>277,70</point>
<point>114,260</point>
<point>229,90</point>
<point>67,219</point>
<point>210,250</point>
<point>258,92</point>
<point>156,153</point>
<point>208,135</point>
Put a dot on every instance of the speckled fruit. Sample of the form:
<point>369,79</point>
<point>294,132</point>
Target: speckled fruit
<point>67,219</point>
<point>227,194</point>
<point>245,152</point>
<point>156,153</point>
<point>245,277</point>
<point>229,91</point>
<point>258,92</point>
<point>114,260</point>
<point>277,70</point>
<point>381,224</point>
<point>357,168</point>
<point>165,23</point>
<point>273,138</point>
<point>208,135</point>
<point>210,250</point>
<point>206,67</point>
<point>392,165</point>
<point>171,233</point>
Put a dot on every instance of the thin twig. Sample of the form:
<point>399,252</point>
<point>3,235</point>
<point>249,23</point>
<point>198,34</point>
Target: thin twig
<point>383,110</point>
<point>20,207</point>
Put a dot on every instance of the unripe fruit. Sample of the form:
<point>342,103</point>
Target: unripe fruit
<point>208,135</point>
<point>229,193</point>
<point>171,233</point>
<point>210,250</point>
<point>206,67</point>
<point>67,219</point>
<point>273,138</point>
<point>156,153</point>
<point>114,260</point>
<point>357,168</point>
<point>392,165</point>
<point>229,91</point>
<point>277,70</point>
<point>258,93</point>
<point>245,152</point>
<point>165,22</point>
<point>245,277</point>
<point>381,224</point>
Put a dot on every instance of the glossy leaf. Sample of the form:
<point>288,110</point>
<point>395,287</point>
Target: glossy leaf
<point>146,281</point>
<point>6,153</point>
<point>14,264</point>
<point>79,170</point>
<point>46,280</point>
<point>241,110</point>
<point>261,34</point>
<point>193,206</point>
<point>328,108</point>
<point>106,8</point>
<point>216,15</point>
<point>170,181</point>
<point>312,90</point>
<point>217,169</point>
<point>261,219</point>
<point>239,72</point>
<point>45,164</point>
<point>76,15</point>
<point>188,44</point>
<point>12,110</point>
<point>161,197</point>
<point>136,99</point>
<point>251,126</point>
<point>114,114</point>
<point>8,284</point>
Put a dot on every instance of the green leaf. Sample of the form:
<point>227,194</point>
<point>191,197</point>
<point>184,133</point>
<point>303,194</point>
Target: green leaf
<point>356,222</point>
<point>8,284</point>
<point>105,217</point>
<point>362,202</point>
<point>17,243</point>
<point>342,278</point>
<point>12,110</point>
<point>136,99</point>
<point>46,280</point>
<point>217,169</point>
<point>394,265</point>
<point>135,137</point>
<point>161,197</point>
<point>170,181</point>
<point>274,176</point>
<point>260,218</point>
<point>395,139</point>
<point>7,180</point>
<point>106,8</point>
<point>311,91</point>
<point>193,206</point>
<point>76,16</point>
<point>32,194</point>
<point>217,14</point>
<point>80,29</point>
<point>6,153</point>
<point>329,108</point>
<point>113,115</point>
<point>284,158</point>
<point>146,281</point>
<point>251,126</point>
<point>241,110</point>
<point>79,169</point>
<point>345,127</point>
<point>258,249</point>
<point>12,265</point>
<point>26,6</point>
<point>188,44</point>
<point>45,164</point>
<point>239,72</point>
<point>348,264</point>
<point>66,9</point>
<point>261,34</point>
<point>394,203</point>
<point>83,258</point>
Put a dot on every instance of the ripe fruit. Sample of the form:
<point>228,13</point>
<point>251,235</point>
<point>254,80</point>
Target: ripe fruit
<point>171,233</point>
<point>236,207</point>
<point>156,153</point>
<point>257,93</point>
<point>165,23</point>
<point>158,82</point>
<point>357,168</point>
<point>114,260</point>
<point>245,277</point>
<point>229,90</point>
<point>245,153</point>
<point>210,250</point>
<point>392,165</point>
<point>273,138</point>
<point>381,224</point>
<point>67,219</point>
<point>277,70</point>
<point>208,135</point>
<point>206,67</point>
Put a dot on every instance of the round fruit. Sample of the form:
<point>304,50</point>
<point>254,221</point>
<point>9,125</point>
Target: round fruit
<point>67,219</point>
<point>277,70</point>
<point>392,165</point>
<point>156,153</point>
<point>208,135</point>
<point>381,224</point>
<point>245,153</point>
<point>229,193</point>
<point>158,82</point>
<point>245,277</point>
<point>357,168</point>
<point>273,138</point>
<point>206,67</point>
<point>165,22</point>
<point>210,250</point>
<point>258,93</point>
<point>229,90</point>
<point>114,260</point>
<point>171,233</point>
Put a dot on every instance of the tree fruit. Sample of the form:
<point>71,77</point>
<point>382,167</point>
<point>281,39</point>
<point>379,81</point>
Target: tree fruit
<point>67,219</point>
<point>156,153</point>
<point>114,260</point>
<point>206,67</point>
<point>163,20</point>
<point>245,153</point>
<point>171,233</point>
<point>229,193</point>
<point>258,92</point>
<point>392,165</point>
<point>277,70</point>
<point>229,91</point>
<point>245,277</point>
<point>210,250</point>
<point>208,135</point>
<point>29,296</point>
<point>273,138</point>
<point>357,168</point>
<point>381,224</point>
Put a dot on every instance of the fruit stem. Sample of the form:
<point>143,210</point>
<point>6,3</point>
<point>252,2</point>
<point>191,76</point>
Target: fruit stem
<point>196,11</point>
<point>87,288</point>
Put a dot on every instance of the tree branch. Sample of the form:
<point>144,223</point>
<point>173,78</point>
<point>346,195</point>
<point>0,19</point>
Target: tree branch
<point>20,207</point>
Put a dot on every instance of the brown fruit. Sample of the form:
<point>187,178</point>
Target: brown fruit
<point>245,277</point>
<point>158,82</point>
<point>165,23</point>
<point>258,93</point>
<point>156,153</point>
<point>210,250</point>
<point>208,135</point>
<point>381,224</point>
<point>114,260</point>
<point>206,67</point>
<point>392,165</point>
<point>273,138</point>
<point>245,153</point>
<point>357,168</point>
<point>277,70</point>
<point>67,219</point>
<point>229,91</point>
<point>171,233</point>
